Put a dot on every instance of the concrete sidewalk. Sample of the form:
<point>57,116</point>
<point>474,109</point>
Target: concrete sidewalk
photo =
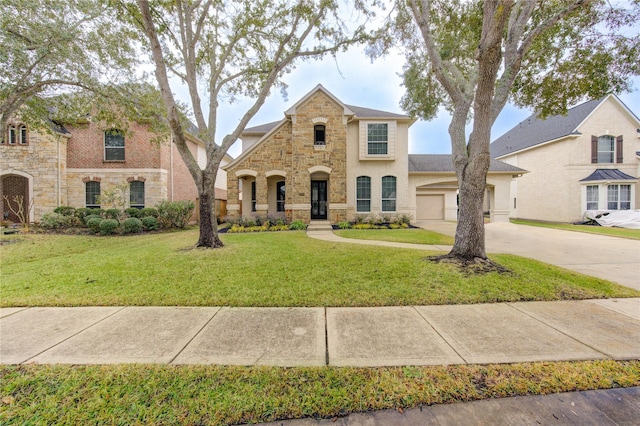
<point>385,336</point>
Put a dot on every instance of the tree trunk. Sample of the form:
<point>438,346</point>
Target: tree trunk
<point>208,224</point>
<point>469,241</point>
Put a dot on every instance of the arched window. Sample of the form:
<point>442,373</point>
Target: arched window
<point>388,193</point>
<point>92,194</point>
<point>319,134</point>
<point>280,196</point>
<point>13,136</point>
<point>23,134</point>
<point>114,145</point>
<point>136,194</point>
<point>363,194</point>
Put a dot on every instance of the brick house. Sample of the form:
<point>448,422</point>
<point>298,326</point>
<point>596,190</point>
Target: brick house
<point>73,165</point>
<point>326,160</point>
<point>588,159</point>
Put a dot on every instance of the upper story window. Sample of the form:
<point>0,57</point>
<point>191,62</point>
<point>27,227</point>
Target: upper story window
<point>606,149</point>
<point>319,135</point>
<point>92,194</point>
<point>114,145</point>
<point>22,135</point>
<point>377,139</point>
<point>136,194</point>
<point>16,135</point>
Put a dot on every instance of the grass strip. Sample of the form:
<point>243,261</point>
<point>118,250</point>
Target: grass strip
<point>265,269</point>
<point>217,395</point>
<point>633,234</point>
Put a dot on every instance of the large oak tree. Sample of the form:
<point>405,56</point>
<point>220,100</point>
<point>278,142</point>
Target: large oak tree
<point>473,57</point>
<point>60,46</point>
<point>223,50</point>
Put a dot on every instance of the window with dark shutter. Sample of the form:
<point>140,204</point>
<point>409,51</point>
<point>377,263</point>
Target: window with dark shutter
<point>619,157</point>
<point>594,149</point>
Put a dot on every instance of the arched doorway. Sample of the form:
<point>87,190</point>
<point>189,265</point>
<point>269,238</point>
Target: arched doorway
<point>14,195</point>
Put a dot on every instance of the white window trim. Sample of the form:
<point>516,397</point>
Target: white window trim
<point>391,140</point>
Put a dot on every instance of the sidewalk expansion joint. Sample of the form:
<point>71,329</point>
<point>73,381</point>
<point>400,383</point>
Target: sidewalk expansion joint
<point>196,334</point>
<point>510,304</point>
<point>326,339</point>
<point>440,335</point>
<point>73,335</point>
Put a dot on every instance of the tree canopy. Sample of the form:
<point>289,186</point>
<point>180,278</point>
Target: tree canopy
<point>59,46</point>
<point>472,57</point>
<point>222,50</point>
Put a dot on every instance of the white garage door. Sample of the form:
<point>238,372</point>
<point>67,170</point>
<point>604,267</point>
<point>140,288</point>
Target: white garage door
<point>430,207</point>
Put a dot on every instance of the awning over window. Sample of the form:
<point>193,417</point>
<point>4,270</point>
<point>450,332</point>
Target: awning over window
<point>607,174</point>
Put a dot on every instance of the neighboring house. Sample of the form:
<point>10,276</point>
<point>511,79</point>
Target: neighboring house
<point>326,160</point>
<point>588,159</point>
<point>74,165</point>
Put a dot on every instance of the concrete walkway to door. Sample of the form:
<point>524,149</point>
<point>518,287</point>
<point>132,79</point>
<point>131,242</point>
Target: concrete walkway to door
<point>611,258</point>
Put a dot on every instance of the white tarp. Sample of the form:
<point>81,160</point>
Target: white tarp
<point>620,218</point>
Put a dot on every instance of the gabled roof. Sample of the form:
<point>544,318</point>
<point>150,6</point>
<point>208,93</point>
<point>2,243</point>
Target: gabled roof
<point>607,174</point>
<point>535,131</point>
<point>421,163</point>
<point>356,112</point>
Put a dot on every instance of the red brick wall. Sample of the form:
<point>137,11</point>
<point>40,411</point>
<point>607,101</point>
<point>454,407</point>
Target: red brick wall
<point>184,188</point>
<point>86,148</point>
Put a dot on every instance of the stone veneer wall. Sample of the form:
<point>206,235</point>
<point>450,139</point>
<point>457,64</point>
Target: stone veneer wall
<point>291,149</point>
<point>155,183</point>
<point>43,160</point>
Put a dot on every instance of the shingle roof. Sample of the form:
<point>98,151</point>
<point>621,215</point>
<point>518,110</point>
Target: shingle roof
<point>444,163</point>
<point>360,112</point>
<point>262,128</point>
<point>607,174</point>
<point>535,130</point>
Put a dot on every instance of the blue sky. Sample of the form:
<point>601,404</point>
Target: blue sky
<point>356,80</point>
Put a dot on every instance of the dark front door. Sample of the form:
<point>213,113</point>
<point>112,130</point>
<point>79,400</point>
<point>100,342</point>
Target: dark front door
<point>318,199</point>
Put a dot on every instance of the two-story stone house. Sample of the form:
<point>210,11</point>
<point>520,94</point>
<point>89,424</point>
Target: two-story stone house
<point>74,165</point>
<point>326,160</point>
<point>588,159</point>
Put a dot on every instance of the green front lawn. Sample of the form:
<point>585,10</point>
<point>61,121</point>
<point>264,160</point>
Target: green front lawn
<point>263,269</point>
<point>413,236</point>
<point>633,234</point>
<point>215,395</point>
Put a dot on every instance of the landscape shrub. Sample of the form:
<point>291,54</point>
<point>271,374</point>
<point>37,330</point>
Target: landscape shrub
<point>148,211</point>
<point>175,214</point>
<point>132,225</point>
<point>91,216</point>
<point>298,225</point>
<point>132,212</point>
<point>112,213</point>
<point>65,210</point>
<point>108,226</point>
<point>93,222</point>
<point>56,221</point>
<point>99,212</point>
<point>344,225</point>
<point>82,212</point>
<point>149,223</point>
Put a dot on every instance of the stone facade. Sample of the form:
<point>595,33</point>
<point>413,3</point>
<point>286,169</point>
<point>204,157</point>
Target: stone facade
<point>287,152</point>
<point>51,169</point>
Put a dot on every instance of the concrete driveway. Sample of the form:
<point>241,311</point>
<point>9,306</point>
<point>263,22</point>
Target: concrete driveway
<point>611,258</point>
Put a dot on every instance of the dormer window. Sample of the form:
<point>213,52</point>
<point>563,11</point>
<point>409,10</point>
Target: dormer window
<point>319,135</point>
<point>113,145</point>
